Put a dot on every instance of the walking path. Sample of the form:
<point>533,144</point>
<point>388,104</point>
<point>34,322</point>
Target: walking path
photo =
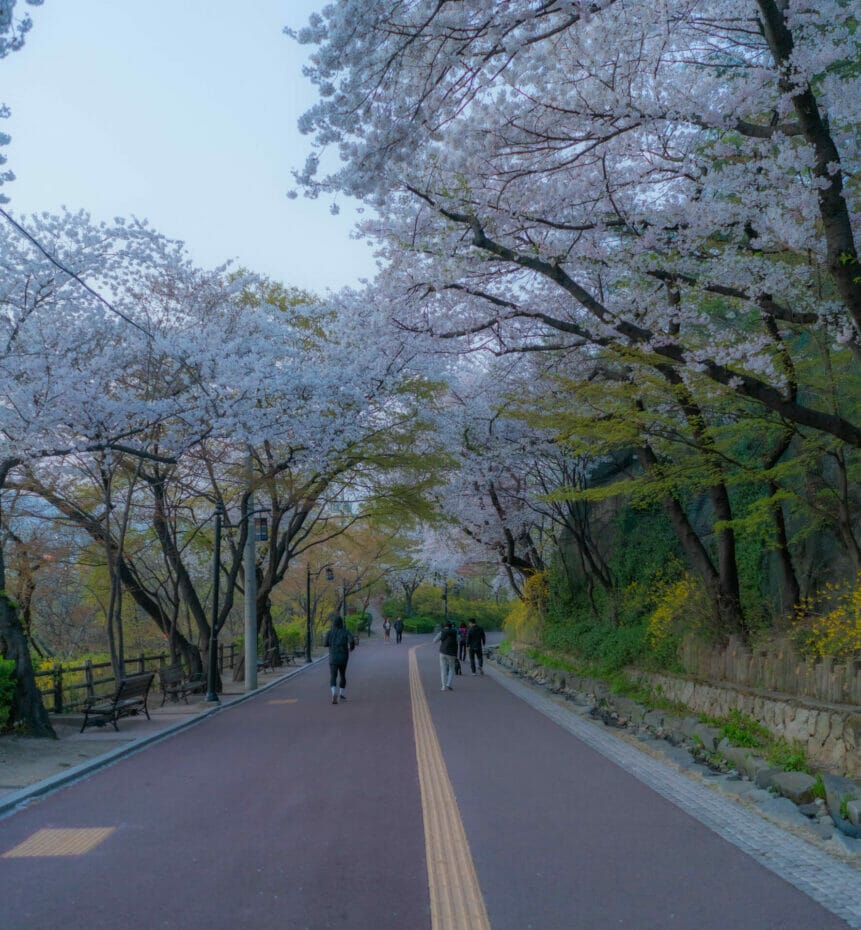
<point>491,806</point>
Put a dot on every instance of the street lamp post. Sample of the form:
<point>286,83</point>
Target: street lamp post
<point>329,577</point>
<point>211,696</point>
<point>250,613</point>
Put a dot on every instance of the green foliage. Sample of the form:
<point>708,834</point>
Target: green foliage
<point>291,635</point>
<point>358,623</point>
<point>428,602</point>
<point>7,690</point>
<point>419,623</point>
<point>819,788</point>
<point>744,731</point>
<point>605,647</point>
<point>788,755</point>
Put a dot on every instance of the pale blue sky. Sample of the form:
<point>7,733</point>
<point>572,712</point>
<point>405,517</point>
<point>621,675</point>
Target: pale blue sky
<point>183,112</point>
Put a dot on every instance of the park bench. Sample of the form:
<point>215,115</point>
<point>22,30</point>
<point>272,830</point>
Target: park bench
<point>175,684</point>
<point>268,660</point>
<point>128,699</point>
<point>290,655</point>
<point>272,658</point>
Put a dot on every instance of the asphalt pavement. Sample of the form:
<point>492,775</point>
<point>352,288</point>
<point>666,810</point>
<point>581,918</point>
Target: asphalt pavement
<point>285,811</point>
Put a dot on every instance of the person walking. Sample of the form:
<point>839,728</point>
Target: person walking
<point>461,642</point>
<point>387,628</point>
<point>447,639</point>
<point>399,630</point>
<point>341,643</point>
<point>476,639</point>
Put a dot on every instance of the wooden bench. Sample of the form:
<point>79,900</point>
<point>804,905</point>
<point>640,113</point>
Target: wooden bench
<point>175,684</point>
<point>268,660</point>
<point>129,698</point>
<point>273,658</point>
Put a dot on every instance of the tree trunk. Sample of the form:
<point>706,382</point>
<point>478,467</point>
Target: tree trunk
<point>691,543</point>
<point>28,711</point>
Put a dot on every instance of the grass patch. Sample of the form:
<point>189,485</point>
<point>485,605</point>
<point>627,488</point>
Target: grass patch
<point>747,733</point>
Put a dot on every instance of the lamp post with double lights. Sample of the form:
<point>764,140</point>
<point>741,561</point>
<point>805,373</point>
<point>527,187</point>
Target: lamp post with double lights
<point>308,574</point>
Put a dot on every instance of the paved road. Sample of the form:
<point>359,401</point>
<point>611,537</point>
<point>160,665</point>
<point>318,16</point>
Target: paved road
<point>287,812</point>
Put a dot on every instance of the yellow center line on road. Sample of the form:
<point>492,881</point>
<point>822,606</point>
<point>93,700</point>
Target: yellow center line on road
<point>455,896</point>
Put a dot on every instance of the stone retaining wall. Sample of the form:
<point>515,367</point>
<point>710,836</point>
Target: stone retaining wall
<point>830,733</point>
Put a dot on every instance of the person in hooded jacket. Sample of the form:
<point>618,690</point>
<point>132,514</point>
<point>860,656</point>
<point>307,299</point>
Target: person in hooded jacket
<point>341,643</point>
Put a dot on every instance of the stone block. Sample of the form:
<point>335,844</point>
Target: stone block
<point>708,736</point>
<point>838,790</point>
<point>764,777</point>
<point>630,709</point>
<point>654,719</point>
<point>785,811</point>
<point>853,810</point>
<point>744,760</point>
<point>846,844</point>
<point>797,786</point>
<point>689,724</point>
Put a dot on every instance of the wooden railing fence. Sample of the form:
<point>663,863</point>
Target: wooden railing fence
<point>779,667</point>
<point>69,687</point>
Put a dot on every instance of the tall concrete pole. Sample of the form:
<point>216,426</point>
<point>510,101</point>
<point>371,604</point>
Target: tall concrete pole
<point>250,587</point>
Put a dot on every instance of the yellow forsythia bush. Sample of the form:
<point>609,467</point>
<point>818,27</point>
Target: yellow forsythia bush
<point>829,622</point>
<point>524,621</point>
<point>676,603</point>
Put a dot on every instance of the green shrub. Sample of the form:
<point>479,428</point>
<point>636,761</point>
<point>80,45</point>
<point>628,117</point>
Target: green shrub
<point>358,623</point>
<point>608,648</point>
<point>7,690</point>
<point>787,755</point>
<point>744,731</point>
<point>420,624</point>
<point>819,788</point>
<point>291,635</point>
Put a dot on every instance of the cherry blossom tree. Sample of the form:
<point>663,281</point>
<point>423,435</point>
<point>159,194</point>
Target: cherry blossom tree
<point>13,33</point>
<point>599,175</point>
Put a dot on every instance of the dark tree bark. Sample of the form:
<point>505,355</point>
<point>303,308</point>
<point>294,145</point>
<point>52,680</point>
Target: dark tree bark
<point>27,711</point>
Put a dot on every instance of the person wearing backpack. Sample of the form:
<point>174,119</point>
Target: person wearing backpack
<point>341,643</point>
<point>447,639</point>
<point>461,642</point>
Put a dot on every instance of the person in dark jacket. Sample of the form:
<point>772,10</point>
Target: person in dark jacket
<point>399,630</point>
<point>447,639</point>
<point>476,639</point>
<point>461,641</point>
<point>341,643</point>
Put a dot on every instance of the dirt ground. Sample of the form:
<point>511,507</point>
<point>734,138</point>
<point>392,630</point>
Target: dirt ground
<point>24,761</point>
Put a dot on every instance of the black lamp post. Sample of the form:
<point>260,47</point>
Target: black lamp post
<point>211,696</point>
<point>329,577</point>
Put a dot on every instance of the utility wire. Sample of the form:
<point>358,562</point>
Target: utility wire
<point>71,274</point>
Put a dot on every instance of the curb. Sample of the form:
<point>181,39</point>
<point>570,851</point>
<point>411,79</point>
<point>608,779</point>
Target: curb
<point>18,799</point>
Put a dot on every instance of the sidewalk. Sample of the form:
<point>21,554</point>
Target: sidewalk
<point>33,767</point>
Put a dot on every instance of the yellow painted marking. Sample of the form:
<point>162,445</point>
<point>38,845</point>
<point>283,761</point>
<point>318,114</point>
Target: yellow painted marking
<point>73,842</point>
<point>284,701</point>
<point>455,896</point>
